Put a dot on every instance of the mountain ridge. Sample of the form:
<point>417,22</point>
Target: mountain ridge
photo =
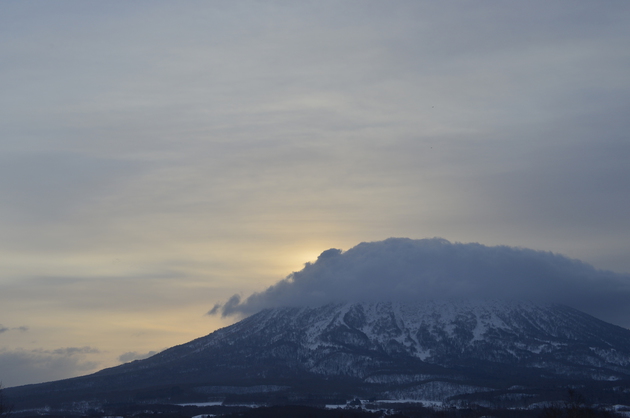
<point>431,350</point>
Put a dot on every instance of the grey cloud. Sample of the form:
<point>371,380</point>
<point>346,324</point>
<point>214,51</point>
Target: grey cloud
<point>22,366</point>
<point>407,270</point>
<point>22,328</point>
<point>233,303</point>
<point>71,351</point>
<point>133,355</point>
<point>215,309</point>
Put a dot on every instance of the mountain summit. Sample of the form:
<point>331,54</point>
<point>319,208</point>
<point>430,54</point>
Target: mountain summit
<point>492,352</point>
<point>407,270</point>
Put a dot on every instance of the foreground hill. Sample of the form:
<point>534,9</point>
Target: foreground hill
<point>496,353</point>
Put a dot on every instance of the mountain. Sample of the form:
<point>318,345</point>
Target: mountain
<point>500,353</point>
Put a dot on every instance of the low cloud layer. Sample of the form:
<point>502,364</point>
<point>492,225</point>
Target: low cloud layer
<point>5,329</point>
<point>402,269</point>
<point>22,366</point>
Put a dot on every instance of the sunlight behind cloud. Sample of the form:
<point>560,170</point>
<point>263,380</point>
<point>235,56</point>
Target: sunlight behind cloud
<point>404,270</point>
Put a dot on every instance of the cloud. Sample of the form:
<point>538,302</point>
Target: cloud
<point>402,269</point>
<point>5,329</point>
<point>71,351</point>
<point>133,355</point>
<point>22,366</point>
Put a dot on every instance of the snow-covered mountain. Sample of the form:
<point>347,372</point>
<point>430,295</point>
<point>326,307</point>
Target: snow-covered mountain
<point>498,352</point>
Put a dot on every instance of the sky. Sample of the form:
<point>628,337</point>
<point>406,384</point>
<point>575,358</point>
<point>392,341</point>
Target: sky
<point>159,157</point>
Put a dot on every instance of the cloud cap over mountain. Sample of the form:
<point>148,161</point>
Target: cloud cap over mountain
<point>401,269</point>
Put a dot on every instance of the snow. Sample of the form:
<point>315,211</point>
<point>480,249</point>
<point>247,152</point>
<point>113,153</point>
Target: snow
<point>335,406</point>
<point>399,378</point>
<point>424,402</point>
<point>466,324</point>
<point>498,331</point>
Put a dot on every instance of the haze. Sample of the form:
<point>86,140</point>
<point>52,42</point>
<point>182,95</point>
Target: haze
<point>159,157</point>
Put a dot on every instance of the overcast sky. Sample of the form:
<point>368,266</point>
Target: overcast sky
<point>159,157</point>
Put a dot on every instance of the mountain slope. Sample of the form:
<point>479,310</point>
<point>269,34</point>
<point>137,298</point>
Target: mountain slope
<point>429,351</point>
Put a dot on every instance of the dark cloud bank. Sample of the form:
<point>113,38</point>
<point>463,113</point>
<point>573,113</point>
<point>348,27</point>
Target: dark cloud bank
<point>400,269</point>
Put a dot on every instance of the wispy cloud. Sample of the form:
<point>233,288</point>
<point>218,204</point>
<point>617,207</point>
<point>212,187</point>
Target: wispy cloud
<point>22,328</point>
<point>72,351</point>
